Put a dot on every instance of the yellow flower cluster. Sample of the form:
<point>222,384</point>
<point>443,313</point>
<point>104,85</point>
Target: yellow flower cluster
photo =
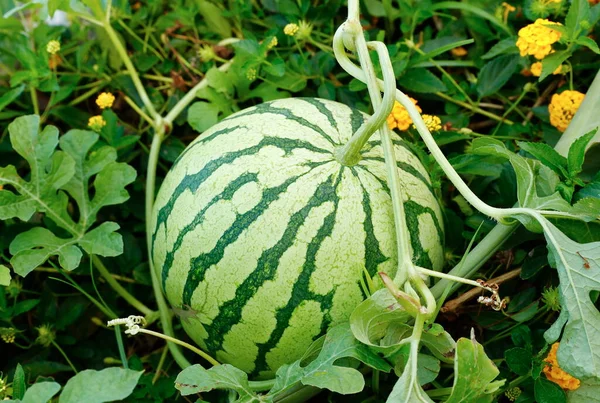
<point>536,39</point>
<point>536,69</point>
<point>555,374</point>
<point>96,123</point>
<point>399,117</point>
<point>105,100</point>
<point>432,122</point>
<point>562,108</point>
<point>53,47</point>
<point>290,29</point>
<point>7,334</point>
<point>273,43</point>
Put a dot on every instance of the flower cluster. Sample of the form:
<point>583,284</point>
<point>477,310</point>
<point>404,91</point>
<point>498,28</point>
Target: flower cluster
<point>7,334</point>
<point>96,123</point>
<point>513,394</point>
<point>53,47</point>
<point>555,374</point>
<point>432,122</point>
<point>536,39</point>
<point>105,100</point>
<point>290,29</point>
<point>399,117</point>
<point>562,108</point>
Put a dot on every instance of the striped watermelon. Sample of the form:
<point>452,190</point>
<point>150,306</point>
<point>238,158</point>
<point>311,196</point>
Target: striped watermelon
<point>264,236</point>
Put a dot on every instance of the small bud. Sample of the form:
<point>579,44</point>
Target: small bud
<point>45,335</point>
<point>206,53</point>
<point>290,29</point>
<point>251,74</point>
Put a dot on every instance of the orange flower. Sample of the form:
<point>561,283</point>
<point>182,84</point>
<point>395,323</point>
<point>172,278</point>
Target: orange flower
<point>555,374</point>
<point>399,117</point>
<point>536,39</point>
<point>562,108</point>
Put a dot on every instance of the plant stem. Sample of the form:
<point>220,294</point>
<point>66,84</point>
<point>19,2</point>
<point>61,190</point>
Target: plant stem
<point>181,343</point>
<point>62,352</point>
<point>130,68</point>
<point>134,302</point>
<point>34,100</point>
<point>474,108</point>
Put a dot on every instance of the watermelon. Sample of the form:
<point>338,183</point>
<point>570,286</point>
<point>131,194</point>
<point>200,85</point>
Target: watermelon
<point>265,237</point>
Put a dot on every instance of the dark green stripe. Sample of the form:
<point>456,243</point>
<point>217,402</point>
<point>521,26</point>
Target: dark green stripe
<point>227,194</point>
<point>373,254</point>
<point>301,290</point>
<point>204,140</point>
<point>409,169</point>
<point>356,120</point>
<point>324,110</point>
<point>193,182</point>
<point>411,210</point>
<point>230,312</point>
<point>201,263</point>
<point>267,107</point>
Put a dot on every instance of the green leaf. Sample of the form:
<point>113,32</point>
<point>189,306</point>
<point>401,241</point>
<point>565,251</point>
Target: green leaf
<point>421,80</point>
<point>428,367</point>
<point>547,155</point>
<point>49,171</point>
<point>286,377</point>
<point>107,385</point>
<point>374,322</point>
<point>212,16</point>
<point>340,343</point>
<point>505,46</point>
<point>496,73</point>
<point>474,374</point>
<point>576,154</point>
<point>548,392</point>
<point>588,43</point>
<point>408,390</point>
<point>32,248</point>
<point>202,115</point>
<point>4,275</point>
<point>518,360</point>
<point>588,392</point>
<point>196,379</point>
<point>578,268</point>
<point>18,383</point>
<point>56,175</point>
<point>10,96</point>
<point>551,63</point>
<point>579,11</point>
<point>41,392</point>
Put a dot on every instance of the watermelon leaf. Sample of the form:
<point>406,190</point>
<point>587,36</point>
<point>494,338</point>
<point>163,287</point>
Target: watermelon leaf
<point>474,374</point>
<point>196,379</point>
<point>107,385</point>
<point>578,268</point>
<point>56,176</point>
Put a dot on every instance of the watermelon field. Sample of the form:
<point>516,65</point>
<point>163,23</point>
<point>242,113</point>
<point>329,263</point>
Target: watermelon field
<point>284,201</point>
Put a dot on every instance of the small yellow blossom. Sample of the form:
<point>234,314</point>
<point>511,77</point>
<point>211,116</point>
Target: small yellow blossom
<point>399,117</point>
<point>460,51</point>
<point>536,69</point>
<point>105,100</point>
<point>273,42</point>
<point>536,39</point>
<point>555,374</point>
<point>96,123</point>
<point>432,122</point>
<point>562,108</point>
<point>53,47</point>
<point>290,29</point>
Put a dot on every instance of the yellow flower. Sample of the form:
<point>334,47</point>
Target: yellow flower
<point>432,122</point>
<point>562,108</point>
<point>460,51</point>
<point>273,42</point>
<point>555,374</point>
<point>96,123</point>
<point>105,100</point>
<point>399,117</point>
<point>536,39</point>
<point>536,69</point>
<point>53,47</point>
<point>290,29</point>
